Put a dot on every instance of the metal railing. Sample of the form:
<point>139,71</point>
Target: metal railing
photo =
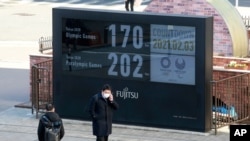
<point>231,100</point>
<point>45,43</point>
<point>246,20</point>
<point>41,86</point>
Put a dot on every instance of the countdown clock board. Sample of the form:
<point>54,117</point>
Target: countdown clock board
<point>160,66</point>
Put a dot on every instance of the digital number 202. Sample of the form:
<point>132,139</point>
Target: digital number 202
<point>124,69</point>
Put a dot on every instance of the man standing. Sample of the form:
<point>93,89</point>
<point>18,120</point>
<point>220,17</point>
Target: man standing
<point>101,111</point>
<point>49,119</point>
<point>131,3</point>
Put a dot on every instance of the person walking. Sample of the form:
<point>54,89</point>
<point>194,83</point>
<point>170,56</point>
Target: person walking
<point>48,121</point>
<point>101,110</point>
<point>129,3</point>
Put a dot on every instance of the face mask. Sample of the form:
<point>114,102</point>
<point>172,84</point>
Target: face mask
<point>106,95</point>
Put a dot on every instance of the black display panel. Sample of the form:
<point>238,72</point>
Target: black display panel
<point>119,54</point>
<point>159,66</point>
<point>143,52</point>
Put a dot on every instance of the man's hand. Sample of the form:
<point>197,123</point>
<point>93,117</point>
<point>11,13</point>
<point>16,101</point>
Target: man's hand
<point>111,98</point>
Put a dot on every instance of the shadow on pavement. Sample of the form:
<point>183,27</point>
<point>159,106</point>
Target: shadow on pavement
<point>14,87</point>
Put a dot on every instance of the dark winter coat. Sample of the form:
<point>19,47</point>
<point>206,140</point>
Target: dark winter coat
<point>53,117</point>
<point>101,112</point>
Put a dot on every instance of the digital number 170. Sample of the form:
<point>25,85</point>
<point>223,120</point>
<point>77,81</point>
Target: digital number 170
<point>137,35</point>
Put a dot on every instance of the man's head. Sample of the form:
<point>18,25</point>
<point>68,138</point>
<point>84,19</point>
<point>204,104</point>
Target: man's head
<point>50,107</point>
<point>106,91</point>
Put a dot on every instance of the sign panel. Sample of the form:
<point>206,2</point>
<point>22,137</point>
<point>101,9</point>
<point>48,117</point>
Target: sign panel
<point>125,51</point>
<point>239,132</point>
<point>120,50</point>
<point>161,63</point>
<point>172,53</point>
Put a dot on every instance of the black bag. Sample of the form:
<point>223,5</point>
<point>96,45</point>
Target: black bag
<point>52,129</point>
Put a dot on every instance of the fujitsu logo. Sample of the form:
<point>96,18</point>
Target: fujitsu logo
<point>125,93</point>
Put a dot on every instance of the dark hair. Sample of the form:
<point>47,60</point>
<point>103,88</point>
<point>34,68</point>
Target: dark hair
<point>106,87</point>
<point>49,107</point>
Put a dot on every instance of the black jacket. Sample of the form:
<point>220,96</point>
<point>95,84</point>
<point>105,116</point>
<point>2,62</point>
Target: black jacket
<point>53,117</point>
<point>101,112</point>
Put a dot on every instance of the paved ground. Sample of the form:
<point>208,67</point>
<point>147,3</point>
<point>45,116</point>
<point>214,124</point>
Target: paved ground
<point>35,17</point>
<point>23,22</point>
<point>19,123</point>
